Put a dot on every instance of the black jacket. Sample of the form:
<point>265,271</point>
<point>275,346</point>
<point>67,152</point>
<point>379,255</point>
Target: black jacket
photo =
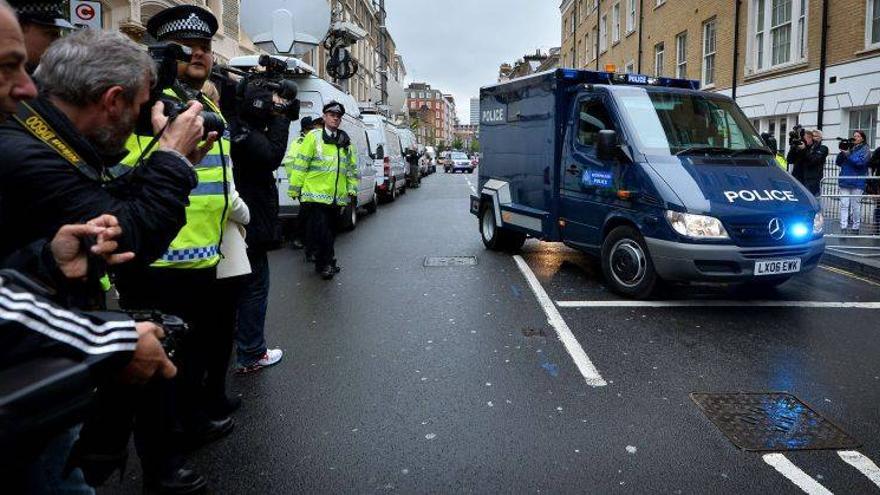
<point>808,165</point>
<point>256,154</point>
<point>40,191</point>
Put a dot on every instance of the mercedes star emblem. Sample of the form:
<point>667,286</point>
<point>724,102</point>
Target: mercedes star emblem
<point>777,229</point>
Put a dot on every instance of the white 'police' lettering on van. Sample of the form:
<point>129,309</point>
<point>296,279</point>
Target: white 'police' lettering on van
<point>765,195</point>
<point>491,116</point>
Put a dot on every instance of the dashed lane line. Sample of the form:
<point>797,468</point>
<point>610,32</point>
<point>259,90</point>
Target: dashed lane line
<point>862,463</point>
<point>794,474</point>
<point>718,304</point>
<point>554,318</point>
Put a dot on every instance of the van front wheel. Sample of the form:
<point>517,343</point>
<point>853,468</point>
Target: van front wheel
<point>498,238</point>
<point>626,264</point>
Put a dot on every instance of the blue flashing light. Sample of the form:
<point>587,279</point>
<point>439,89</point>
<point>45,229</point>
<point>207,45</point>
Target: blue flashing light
<point>569,73</point>
<point>800,230</point>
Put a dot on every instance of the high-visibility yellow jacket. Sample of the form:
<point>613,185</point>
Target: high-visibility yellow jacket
<point>197,245</point>
<point>292,152</point>
<point>321,172</point>
<point>780,160</point>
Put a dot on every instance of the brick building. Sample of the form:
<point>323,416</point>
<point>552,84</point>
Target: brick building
<point>767,54</point>
<point>434,113</point>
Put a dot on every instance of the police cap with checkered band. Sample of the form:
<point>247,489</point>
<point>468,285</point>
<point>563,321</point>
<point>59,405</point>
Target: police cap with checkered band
<point>43,12</point>
<point>182,22</point>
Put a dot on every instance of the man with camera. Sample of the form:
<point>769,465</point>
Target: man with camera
<point>183,281</point>
<point>807,158</point>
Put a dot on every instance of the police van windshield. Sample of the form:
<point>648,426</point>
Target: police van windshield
<point>677,123</point>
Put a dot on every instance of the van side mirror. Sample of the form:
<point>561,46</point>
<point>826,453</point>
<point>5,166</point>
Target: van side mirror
<point>380,152</point>
<point>606,145</point>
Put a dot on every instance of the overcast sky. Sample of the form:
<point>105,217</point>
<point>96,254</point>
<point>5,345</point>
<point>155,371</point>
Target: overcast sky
<point>457,45</point>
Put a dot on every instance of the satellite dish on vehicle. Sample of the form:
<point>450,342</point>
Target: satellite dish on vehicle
<point>286,26</point>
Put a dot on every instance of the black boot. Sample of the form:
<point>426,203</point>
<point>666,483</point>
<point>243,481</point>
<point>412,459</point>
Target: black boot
<point>336,268</point>
<point>328,272</point>
<point>178,481</point>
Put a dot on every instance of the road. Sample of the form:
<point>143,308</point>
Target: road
<point>404,378</point>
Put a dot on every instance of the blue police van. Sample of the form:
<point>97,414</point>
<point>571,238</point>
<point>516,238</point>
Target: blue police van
<point>660,180</point>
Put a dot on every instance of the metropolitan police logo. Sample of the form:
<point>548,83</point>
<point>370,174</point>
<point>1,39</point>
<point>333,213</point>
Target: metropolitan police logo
<point>776,227</point>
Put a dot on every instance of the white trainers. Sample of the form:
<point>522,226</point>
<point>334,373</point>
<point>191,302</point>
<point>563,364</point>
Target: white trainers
<point>270,358</point>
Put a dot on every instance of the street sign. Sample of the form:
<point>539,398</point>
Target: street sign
<point>85,14</point>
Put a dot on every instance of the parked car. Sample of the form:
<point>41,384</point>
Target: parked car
<point>459,161</point>
<point>314,93</point>
<point>384,148</point>
<point>431,154</point>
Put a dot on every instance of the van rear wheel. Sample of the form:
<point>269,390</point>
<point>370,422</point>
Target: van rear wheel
<point>626,264</point>
<point>498,238</point>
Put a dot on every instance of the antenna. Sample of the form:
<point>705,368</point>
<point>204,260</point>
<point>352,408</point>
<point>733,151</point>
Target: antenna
<point>285,27</point>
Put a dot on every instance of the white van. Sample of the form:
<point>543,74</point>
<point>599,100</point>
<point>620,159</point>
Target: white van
<point>314,93</point>
<point>387,156</point>
<point>408,141</point>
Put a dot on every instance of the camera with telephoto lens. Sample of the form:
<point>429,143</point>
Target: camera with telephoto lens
<point>258,86</point>
<point>166,56</point>
<point>796,136</point>
<point>845,144</point>
<point>175,329</point>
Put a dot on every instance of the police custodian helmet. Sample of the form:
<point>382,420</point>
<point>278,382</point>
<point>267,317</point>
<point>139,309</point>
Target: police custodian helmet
<point>334,107</point>
<point>45,12</point>
<point>182,22</point>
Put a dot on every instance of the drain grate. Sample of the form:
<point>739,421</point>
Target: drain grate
<point>772,421</point>
<point>440,261</point>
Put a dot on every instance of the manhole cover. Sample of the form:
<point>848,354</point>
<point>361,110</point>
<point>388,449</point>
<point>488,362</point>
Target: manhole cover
<point>771,422</point>
<point>435,261</point>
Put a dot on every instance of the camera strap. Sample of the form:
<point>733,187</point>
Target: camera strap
<point>28,118</point>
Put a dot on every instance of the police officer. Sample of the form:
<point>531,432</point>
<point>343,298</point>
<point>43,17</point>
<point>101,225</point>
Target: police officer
<point>43,22</point>
<point>324,178</point>
<point>183,281</point>
<point>306,125</point>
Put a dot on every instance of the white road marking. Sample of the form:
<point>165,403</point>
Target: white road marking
<point>474,189</point>
<point>795,475</point>
<point>718,304</point>
<point>581,360</point>
<point>863,464</point>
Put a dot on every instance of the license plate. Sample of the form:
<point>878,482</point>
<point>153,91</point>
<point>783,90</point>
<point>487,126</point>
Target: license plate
<point>777,267</point>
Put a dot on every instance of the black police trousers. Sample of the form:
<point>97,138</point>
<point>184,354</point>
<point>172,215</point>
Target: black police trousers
<point>321,232</point>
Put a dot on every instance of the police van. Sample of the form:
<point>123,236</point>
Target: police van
<point>660,180</point>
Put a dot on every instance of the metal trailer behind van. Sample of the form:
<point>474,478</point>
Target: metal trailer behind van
<point>660,180</point>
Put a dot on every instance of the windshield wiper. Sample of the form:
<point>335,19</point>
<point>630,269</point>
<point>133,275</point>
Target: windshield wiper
<point>762,151</point>
<point>704,149</point>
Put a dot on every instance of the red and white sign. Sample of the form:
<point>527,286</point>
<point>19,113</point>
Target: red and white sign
<point>85,14</point>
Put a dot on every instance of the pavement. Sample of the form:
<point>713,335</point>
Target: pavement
<point>524,374</point>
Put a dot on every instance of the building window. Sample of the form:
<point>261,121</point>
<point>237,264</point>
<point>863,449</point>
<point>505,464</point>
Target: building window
<point>658,3</point>
<point>658,59</point>
<point>603,34</point>
<point>872,30</point>
<point>588,49</point>
<point>709,53</point>
<point>593,45</point>
<point>615,23</point>
<point>779,32</point>
<point>864,120</point>
<point>681,64</point>
<point>630,67</point>
<point>631,16</point>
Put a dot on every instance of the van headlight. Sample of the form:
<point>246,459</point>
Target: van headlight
<point>818,224</point>
<point>696,226</point>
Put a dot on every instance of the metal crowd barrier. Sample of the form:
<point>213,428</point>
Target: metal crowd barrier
<point>866,241</point>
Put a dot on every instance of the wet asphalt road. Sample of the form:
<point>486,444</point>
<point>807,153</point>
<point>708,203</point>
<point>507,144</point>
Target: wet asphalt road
<point>408,379</point>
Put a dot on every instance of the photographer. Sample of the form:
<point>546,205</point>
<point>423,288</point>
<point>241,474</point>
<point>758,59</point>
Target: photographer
<point>807,158</point>
<point>853,162</point>
<point>63,180</point>
<point>257,149</point>
<point>415,175</point>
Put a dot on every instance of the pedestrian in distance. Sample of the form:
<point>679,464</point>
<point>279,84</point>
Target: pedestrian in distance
<point>307,124</point>
<point>853,165</point>
<point>807,161</point>
<point>324,178</point>
<point>771,143</point>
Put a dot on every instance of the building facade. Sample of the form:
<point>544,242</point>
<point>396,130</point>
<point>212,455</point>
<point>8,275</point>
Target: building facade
<point>767,54</point>
<point>467,134</point>
<point>530,64</point>
<point>475,111</point>
<point>433,113</point>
